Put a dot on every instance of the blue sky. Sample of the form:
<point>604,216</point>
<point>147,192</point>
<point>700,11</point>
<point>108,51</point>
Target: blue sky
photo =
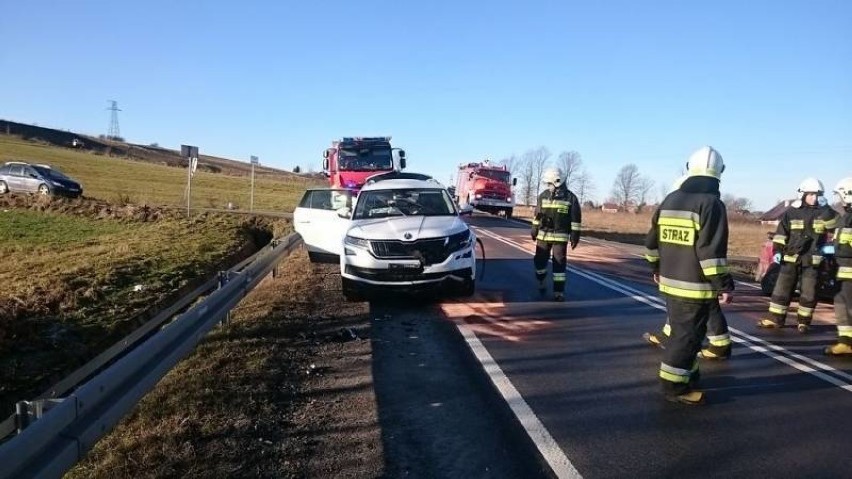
<point>768,83</point>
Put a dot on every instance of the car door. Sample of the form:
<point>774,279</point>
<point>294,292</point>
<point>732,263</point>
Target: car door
<point>30,180</point>
<point>317,220</point>
<point>16,172</point>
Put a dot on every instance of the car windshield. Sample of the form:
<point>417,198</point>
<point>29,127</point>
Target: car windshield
<point>371,158</point>
<point>50,173</point>
<point>407,202</point>
<point>502,176</point>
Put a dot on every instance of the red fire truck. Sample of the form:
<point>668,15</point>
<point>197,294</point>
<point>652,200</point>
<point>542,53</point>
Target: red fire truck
<point>351,160</point>
<point>486,187</point>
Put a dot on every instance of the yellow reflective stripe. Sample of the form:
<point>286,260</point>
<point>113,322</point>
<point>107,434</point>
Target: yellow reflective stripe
<point>805,312</point>
<point>652,255</point>
<point>791,258</point>
<point>576,226</point>
<point>673,378</point>
<point>831,224</point>
<point>844,272</point>
<point>797,227</point>
<point>817,259</point>
<point>555,204</point>
<point>652,259</point>
<point>844,236</point>
<point>844,331</point>
<point>777,308</point>
<point>550,236</point>
<point>720,340</point>
<point>536,222</point>
<point>682,222</point>
<point>667,329</point>
<point>780,239</point>
<point>714,270</point>
<point>686,293</point>
<point>559,277</point>
<point>673,374</point>
<point>819,226</point>
<point>541,271</point>
<point>799,223</point>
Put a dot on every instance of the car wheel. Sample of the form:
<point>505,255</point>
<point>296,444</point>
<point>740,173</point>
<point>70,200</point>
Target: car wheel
<point>43,189</point>
<point>3,188</point>
<point>351,291</point>
<point>767,283</point>
<point>466,288</point>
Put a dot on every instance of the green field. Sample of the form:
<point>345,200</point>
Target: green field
<point>122,180</point>
<point>80,274</point>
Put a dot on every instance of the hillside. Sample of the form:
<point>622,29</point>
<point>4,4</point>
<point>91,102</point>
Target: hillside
<point>146,153</point>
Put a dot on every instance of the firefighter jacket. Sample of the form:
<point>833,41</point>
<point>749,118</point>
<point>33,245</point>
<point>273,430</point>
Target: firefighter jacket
<point>688,242</point>
<point>557,216</point>
<point>843,246</point>
<point>802,232</point>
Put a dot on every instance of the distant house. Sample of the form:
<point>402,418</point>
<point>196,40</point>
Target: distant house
<point>773,216</point>
<point>609,208</point>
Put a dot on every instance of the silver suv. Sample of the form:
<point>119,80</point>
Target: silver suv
<point>19,177</point>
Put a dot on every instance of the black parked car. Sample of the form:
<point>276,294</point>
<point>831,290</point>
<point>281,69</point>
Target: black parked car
<point>19,177</point>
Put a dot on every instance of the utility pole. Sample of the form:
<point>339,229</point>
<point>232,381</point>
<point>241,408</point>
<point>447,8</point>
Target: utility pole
<point>254,161</point>
<point>191,154</point>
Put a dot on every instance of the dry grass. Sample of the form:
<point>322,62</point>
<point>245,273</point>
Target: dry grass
<point>241,405</point>
<point>745,238</point>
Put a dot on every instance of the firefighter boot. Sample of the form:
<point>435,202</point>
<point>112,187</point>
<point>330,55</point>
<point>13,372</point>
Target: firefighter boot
<point>839,349</point>
<point>715,352</point>
<point>770,323</point>
<point>654,340</point>
<point>804,325</point>
<point>542,287</point>
<point>691,398</point>
<point>559,296</point>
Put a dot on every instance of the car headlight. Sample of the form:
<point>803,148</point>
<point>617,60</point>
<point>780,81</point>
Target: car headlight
<point>359,242</point>
<point>56,183</point>
<point>509,199</point>
<point>459,241</point>
<point>478,196</point>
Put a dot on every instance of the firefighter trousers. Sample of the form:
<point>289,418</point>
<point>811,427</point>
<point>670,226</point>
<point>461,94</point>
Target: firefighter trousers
<point>688,321</point>
<point>843,312</point>
<point>717,327</point>
<point>543,252</point>
<point>788,278</point>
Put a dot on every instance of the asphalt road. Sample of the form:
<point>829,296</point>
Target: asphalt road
<point>575,382</point>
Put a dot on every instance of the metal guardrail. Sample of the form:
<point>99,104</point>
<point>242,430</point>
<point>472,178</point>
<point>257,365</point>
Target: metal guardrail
<point>65,432</point>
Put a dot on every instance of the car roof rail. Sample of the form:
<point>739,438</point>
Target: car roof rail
<point>398,175</point>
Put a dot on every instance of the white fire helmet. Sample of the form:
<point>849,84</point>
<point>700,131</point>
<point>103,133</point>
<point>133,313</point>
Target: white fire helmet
<point>705,162</point>
<point>810,185</point>
<point>552,176</point>
<point>844,191</point>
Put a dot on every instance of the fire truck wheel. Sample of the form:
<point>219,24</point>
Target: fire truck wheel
<point>508,213</point>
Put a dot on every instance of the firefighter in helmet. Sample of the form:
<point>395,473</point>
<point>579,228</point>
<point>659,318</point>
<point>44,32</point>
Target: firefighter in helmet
<point>719,337</point>
<point>555,225</point>
<point>801,234</point>
<point>687,246</point>
<point>843,254</point>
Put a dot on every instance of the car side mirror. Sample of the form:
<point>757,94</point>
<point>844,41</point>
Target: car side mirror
<point>401,162</point>
<point>344,212</point>
<point>514,182</point>
<point>33,175</point>
<point>325,163</point>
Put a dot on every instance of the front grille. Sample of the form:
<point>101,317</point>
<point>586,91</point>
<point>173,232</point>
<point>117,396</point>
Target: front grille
<point>428,251</point>
<point>387,275</point>
<point>495,195</point>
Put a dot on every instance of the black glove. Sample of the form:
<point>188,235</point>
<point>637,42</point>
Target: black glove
<point>575,238</point>
<point>534,233</point>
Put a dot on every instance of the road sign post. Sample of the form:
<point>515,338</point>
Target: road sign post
<point>254,161</point>
<point>191,154</point>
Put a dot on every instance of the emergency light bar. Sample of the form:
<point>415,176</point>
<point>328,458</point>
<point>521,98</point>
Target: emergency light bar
<point>365,139</point>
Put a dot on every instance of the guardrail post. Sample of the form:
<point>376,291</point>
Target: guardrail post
<point>22,415</point>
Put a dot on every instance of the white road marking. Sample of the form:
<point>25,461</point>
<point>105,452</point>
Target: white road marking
<point>779,353</point>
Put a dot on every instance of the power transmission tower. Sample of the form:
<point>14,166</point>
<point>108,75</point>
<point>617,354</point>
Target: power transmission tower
<point>114,133</point>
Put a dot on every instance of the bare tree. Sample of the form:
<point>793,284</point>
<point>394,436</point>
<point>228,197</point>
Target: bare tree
<point>570,163</point>
<point>511,163</point>
<point>644,188</point>
<point>583,186</point>
<point>736,204</point>
<point>536,160</point>
<point>627,185</point>
<point>664,191</point>
<point>526,177</point>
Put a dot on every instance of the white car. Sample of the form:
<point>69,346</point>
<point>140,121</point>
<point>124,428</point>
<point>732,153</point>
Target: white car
<point>404,232</point>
